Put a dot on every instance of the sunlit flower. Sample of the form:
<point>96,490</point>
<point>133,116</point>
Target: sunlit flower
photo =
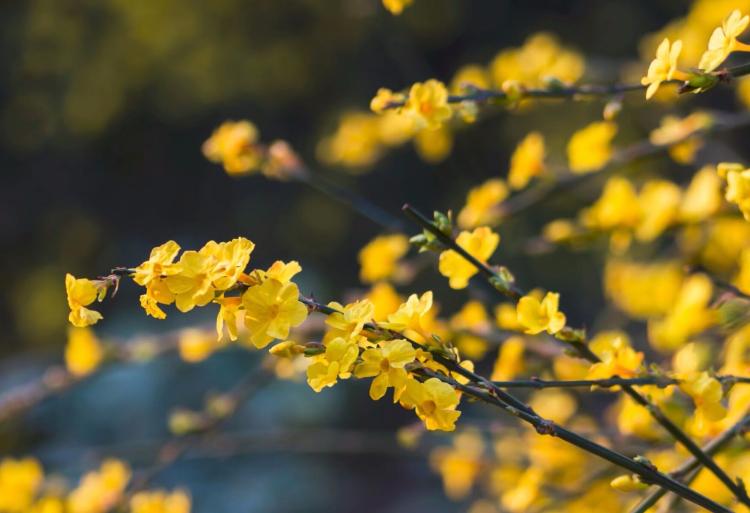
<point>663,67</point>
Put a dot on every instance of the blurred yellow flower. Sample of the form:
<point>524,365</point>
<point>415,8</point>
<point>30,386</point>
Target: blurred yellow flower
<point>384,98</point>
<point>385,300</point>
<point>379,258</point>
<point>83,352</point>
<point>483,204</point>
<point>396,6</point>
<point>459,465</point>
<point>20,479</point>
<point>589,149</point>
<point>480,243</point>
<point>723,41</point>
<point>99,490</point>
<point>690,314</point>
<point>509,362</point>
<point>160,501</point>
<point>196,345</point>
<point>235,145</point>
<point>738,190</point>
<point>527,160</point>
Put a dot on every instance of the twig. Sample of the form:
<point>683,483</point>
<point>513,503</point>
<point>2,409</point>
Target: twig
<point>659,381</point>
<point>583,350</point>
<point>692,464</point>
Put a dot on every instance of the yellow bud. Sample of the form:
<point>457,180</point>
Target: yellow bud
<point>626,483</point>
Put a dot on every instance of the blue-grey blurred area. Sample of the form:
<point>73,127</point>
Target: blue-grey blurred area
<point>104,105</point>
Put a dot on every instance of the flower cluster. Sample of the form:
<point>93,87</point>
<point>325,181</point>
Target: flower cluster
<point>24,487</point>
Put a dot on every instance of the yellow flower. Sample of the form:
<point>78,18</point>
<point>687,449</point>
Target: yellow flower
<point>386,363</point>
<point>428,105</point>
<point>723,41</point>
<point>738,190</point>
<point>531,65</point>
<point>20,479</point>
<point>336,362</point>
<point>707,394</point>
<point>385,300</point>
<point>98,491</point>
<point>617,207</point>
<point>283,272</point>
<point>235,145</point>
<point>385,98</point>
<point>83,352</point>
<point>228,311</point>
<point>396,6</point>
<point>659,202</point>
<point>618,359</point>
<point>480,243</point>
<point>160,502</point>
<point>433,146</point>
<point>192,286</point>
<point>379,257</point>
<point>81,293</point>
<point>349,320</point>
<point>506,317</point>
<point>355,144</point>
<point>663,67</point>
<point>435,403</point>
<point>271,309</point>
<point>690,314</point>
<point>459,465</point>
<point>482,204</point>
<point>412,317</point>
<point>589,149</point>
<point>157,292</point>
<point>471,75</point>
<point>627,483</point>
<point>509,362</point>
<point>472,317</point>
<point>159,265</point>
<point>196,345</point>
<point>527,160</point>
<point>229,261</point>
<point>702,199</point>
<point>643,290</point>
<point>537,316</point>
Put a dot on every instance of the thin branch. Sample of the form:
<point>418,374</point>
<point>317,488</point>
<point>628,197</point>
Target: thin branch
<point>487,391</point>
<point>737,488</point>
<point>693,464</point>
<point>574,92</point>
<point>528,198</point>
<point>647,473</point>
<point>659,381</point>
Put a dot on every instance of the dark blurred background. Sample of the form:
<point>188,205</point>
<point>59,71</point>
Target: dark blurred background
<point>104,105</point>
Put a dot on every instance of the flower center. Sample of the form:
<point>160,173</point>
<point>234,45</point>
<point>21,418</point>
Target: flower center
<point>429,407</point>
<point>385,365</point>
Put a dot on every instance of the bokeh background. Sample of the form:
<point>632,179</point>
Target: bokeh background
<point>104,105</point>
